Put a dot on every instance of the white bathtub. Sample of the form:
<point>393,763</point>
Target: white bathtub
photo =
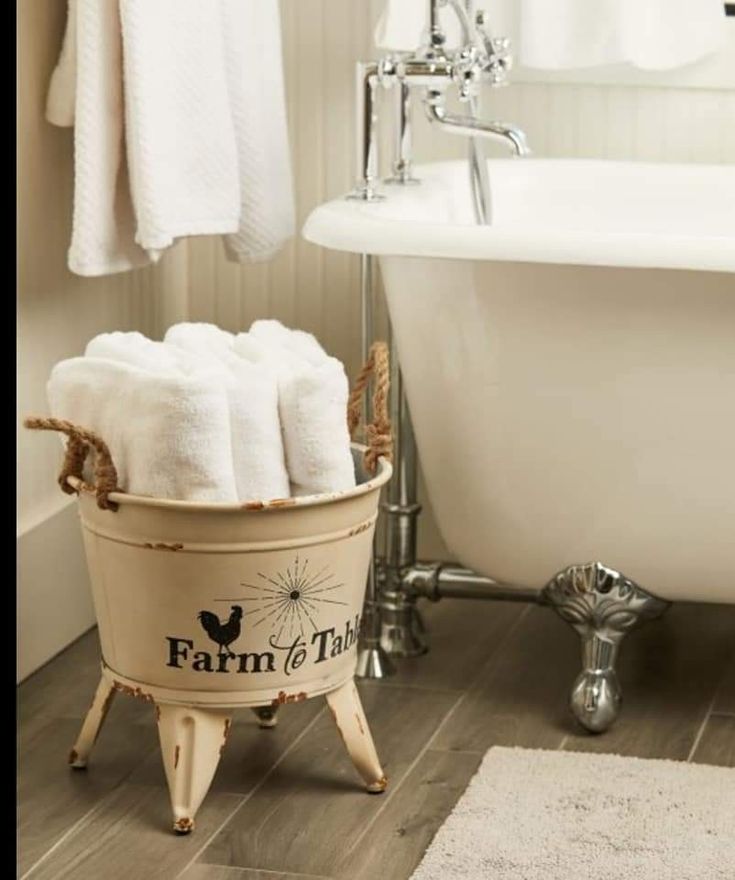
<point>571,369</point>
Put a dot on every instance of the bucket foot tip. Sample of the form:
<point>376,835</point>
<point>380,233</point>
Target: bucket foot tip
<point>377,787</point>
<point>183,825</point>
<point>76,762</point>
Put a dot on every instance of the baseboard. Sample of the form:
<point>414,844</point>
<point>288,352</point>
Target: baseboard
<point>54,599</point>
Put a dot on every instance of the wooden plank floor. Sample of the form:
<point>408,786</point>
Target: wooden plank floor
<point>286,803</point>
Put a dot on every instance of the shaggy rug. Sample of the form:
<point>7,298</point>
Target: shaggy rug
<point>540,815</point>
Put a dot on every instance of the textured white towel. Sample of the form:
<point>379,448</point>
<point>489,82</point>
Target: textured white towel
<point>168,432</point>
<point>62,88</point>
<point>180,134</point>
<point>655,35</point>
<point>312,402</point>
<point>255,78</point>
<point>200,124</point>
<point>252,391</point>
<point>103,233</point>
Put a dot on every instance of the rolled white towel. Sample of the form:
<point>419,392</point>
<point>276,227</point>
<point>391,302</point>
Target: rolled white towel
<point>312,403</point>
<point>168,432</point>
<point>136,349</point>
<point>252,393</point>
<point>297,342</point>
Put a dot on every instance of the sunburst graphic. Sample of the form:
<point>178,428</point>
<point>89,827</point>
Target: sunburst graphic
<point>289,601</point>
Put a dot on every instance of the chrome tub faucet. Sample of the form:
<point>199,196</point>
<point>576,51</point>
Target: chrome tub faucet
<point>480,59</point>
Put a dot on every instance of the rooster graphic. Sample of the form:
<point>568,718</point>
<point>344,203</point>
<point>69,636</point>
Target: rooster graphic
<point>222,634</point>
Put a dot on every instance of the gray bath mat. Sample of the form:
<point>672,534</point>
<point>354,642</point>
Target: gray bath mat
<point>540,815</point>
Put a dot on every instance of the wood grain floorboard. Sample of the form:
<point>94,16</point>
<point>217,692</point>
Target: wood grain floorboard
<point>312,807</point>
<point>462,636</point>
<point>129,837</point>
<point>52,796</point>
<point>394,844</point>
<point>520,697</point>
<point>717,744</point>
<point>725,697</point>
<point>287,802</point>
<point>221,872</point>
<point>64,688</point>
<point>669,671</point>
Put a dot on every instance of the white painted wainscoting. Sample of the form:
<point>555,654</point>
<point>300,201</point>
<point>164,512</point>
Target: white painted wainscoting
<point>304,286</point>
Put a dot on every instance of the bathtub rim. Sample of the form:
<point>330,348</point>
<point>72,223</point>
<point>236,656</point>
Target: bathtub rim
<point>363,227</point>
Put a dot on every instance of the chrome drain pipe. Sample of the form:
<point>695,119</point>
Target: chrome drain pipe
<point>439,580</point>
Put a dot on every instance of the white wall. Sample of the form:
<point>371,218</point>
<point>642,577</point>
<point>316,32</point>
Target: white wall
<point>305,286</point>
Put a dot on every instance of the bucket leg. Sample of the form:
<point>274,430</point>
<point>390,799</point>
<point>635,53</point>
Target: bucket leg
<point>192,740</point>
<point>91,726</point>
<point>349,717</point>
<point>602,605</point>
<point>267,716</point>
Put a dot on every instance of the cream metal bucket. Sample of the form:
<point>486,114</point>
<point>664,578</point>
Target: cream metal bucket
<point>227,605</point>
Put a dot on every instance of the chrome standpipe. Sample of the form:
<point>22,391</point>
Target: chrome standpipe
<point>372,661</point>
<point>367,81</point>
<point>402,172</point>
<point>401,630</point>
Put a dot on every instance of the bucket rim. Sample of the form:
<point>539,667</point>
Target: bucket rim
<point>382,475</point>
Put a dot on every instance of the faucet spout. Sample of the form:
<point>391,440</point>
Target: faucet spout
<point>469,126</point>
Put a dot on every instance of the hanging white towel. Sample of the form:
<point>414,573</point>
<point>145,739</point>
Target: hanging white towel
<point>62,89</point>
<point>255,79</point>
<point>650,35</point>
<point>252,391</point>
<point>312,403</point>
<point>181,130</point>
<point>180,133</point>
<point>103,226</point>
<point>168,432</point>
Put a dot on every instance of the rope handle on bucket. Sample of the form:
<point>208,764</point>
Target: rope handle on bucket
<point>78,446</point>
<point>378,436</point>
<point>378,433</point>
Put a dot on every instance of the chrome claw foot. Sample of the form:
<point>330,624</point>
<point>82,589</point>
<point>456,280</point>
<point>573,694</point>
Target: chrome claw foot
<point>595,699</point>
<point>602,605</point>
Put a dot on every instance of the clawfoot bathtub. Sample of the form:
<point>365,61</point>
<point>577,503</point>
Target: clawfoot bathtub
<point>570,372</point>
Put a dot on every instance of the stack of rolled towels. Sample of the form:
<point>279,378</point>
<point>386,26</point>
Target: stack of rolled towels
<point>212,416</point>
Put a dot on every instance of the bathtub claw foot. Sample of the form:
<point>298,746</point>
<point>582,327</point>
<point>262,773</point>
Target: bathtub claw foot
<point>602,605</point>
<point>596,699</point>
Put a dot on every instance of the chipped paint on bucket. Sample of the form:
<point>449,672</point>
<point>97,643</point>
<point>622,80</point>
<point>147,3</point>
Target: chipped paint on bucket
<point>231,605</point>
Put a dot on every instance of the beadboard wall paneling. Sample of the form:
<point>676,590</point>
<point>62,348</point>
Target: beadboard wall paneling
<point>57,314</point>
